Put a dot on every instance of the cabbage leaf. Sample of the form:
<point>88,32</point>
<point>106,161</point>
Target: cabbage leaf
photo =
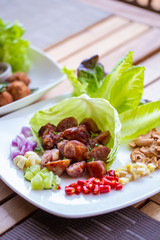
<point>139,120</point>
<point>100,110</point>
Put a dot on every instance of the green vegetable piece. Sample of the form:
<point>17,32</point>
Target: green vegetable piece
<point>127,91</point>
<point>140,120</point>
<point>109,81</point>
<point>14,49</point>
<point>35,169</point>
<point>47,182</point>
<point>54,187</point>
<point>26,170</point>
<point>37,182</point>
<point>29,175</point>
<point>56,180</point>
<point>44,170</point>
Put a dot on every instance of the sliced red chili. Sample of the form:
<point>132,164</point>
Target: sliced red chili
<point>97,181</point>
<point>119,187</point>
<point>73,185</point>
<point>104,188</point>
<point>78,189</point>
<point>86,190</point>
<point>111,173</point>
<point>105,181</point>
<point>96,189</point>
<point>70,190</point>
<point>80,182</point>
<point>109,178</point>
<point>58,187</point>
<point>90,185</point>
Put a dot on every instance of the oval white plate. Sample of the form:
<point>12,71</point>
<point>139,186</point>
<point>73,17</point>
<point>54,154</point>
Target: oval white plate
<point>44,73</point>
<point>57,202</point>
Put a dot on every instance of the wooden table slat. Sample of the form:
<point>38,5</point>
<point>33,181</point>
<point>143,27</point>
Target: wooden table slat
<point>108,44</point>
<point>156,198</point>
<point>143,47</point>
<point>152,92</point>
<point>151,209</point>
<point>126,10</point>
<point>14,211</point>
<point>5,191</point>
<point>87,37</point>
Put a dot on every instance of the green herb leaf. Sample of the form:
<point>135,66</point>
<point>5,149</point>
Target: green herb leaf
<point>139,120</point>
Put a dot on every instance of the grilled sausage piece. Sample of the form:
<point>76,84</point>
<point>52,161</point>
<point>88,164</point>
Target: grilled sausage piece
<point>77,133</point>
<point>75,150</point>
<point>90,124</point>
<point>92,142</point>
<point>99,153</point>
<point>58,167</point>
<point>61,146</point>
<point>96,169</point>
<point>46,129</point>
<point>103,137</point>
<point>67,123</point>
<point>48,142</point>
<point>50,156</point>
<point>76,169</point>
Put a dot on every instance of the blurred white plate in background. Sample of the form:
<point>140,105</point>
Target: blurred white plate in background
<point>45,73</point>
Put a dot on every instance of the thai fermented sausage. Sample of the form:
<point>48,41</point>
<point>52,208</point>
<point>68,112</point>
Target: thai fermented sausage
<point>75,150</point>
<point>46,129</point>
<point>96,169</point>
<point>50,156</point>
<point>99,153</point>
<point>103,138</point>
<point>61,146</point>
<point>58,167</point>
<point>66,123</point>
<point>77,133</point>
<point>76,169</point>
<point>90,124</point>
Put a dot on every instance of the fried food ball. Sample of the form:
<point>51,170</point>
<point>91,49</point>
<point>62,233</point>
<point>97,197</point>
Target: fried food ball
<point>18,90</point>
<point>19,76</point>
<point>5,98</point>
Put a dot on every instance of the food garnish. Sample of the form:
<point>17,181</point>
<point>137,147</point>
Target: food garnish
<point>42,179</point>
<point>14,49</point>
<point>94,185</point>
<point>23,143</point>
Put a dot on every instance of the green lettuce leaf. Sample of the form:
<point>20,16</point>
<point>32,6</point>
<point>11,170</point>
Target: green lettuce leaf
<point>100,110</point>
<point>109,81</point>
<point>127,92</point>
<point>139,120</point>
<point>79,88</point>
<point>14,49</point>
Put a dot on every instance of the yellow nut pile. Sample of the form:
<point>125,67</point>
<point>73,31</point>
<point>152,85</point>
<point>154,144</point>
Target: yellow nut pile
<point>133,171</point>
<point>30,158</point>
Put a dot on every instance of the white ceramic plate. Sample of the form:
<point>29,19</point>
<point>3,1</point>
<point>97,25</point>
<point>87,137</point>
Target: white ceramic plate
<point>44,73</point>
<point>57,202</point>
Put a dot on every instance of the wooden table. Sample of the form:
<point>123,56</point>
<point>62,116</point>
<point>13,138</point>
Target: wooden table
<point>127,29</point>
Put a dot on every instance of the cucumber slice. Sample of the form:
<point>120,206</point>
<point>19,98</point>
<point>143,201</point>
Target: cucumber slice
<point>37,182</point>
<point>47,182</point>
<point>56,179</point>
<point>35,169</point>
<point>29,175</point>
<point>44,170</point>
